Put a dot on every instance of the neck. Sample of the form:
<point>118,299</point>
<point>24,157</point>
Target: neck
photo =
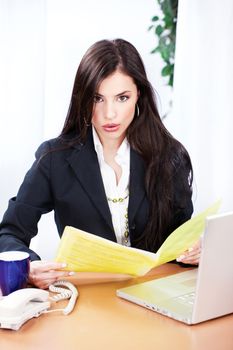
<point>111,146</point>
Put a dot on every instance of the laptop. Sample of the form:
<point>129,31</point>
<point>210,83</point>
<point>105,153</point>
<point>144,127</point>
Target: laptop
<point>195,295</point>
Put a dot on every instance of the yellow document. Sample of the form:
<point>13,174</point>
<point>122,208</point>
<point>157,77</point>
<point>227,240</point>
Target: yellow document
<point>85,252</point>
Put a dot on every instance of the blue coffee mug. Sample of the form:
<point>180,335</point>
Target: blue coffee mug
<point>14,271</point>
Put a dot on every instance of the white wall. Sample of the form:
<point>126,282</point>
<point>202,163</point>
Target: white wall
<point>42,43</point>
<point>203,97</point>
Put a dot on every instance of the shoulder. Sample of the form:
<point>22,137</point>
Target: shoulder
<point>180,157</point>
<point>57,147</point>
<point>46,146</point>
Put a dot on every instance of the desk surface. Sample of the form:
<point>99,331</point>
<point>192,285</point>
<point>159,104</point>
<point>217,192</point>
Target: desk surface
<point>100,320</point>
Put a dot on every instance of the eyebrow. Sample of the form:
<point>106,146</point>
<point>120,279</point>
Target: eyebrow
<point>121,93</point>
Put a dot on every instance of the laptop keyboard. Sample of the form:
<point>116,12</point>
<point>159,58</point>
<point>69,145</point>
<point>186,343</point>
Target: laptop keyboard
<point>186,298</point>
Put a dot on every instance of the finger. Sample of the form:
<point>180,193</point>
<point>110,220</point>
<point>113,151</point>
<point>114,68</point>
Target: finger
<point>43,266</point>
<point>193,252</point>
<point>189,260</point>
<point>56,274</point>
<point>196,246</point>
<point>51,275</point>
<point>44,284</point>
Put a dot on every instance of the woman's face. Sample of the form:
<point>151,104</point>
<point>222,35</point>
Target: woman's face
<point>114,107</point>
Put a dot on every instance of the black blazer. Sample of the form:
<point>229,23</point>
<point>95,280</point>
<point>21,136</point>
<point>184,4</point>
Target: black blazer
<point>68,181</point>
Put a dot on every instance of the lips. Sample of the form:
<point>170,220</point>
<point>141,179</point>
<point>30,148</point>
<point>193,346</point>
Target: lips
<point>111,127</point>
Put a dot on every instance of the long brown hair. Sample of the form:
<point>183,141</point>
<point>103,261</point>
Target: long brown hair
<point>147,135</point>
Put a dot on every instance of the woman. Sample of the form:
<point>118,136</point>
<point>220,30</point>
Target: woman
<point>114,171</point>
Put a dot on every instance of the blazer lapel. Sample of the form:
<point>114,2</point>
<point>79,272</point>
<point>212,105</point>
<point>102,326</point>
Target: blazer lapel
<point>85,165</point>
<point>137,184</point>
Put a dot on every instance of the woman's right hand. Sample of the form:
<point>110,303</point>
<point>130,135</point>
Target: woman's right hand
<point>44,273</point>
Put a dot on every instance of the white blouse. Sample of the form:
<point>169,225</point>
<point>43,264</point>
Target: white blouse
<point>120,192</point>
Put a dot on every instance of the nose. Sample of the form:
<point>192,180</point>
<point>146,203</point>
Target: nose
<point>110,111</point>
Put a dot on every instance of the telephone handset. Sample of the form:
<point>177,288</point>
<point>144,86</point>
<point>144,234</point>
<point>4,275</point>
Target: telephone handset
<point>21,305</point>
<point>24,304</point>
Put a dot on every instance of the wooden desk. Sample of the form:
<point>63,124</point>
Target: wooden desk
<point>103,321</point>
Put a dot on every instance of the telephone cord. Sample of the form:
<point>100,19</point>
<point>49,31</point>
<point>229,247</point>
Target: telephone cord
<point>70,293</point>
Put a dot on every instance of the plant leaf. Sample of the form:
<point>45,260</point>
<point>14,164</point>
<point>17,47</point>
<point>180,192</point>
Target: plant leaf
<point>155,18</point>
<point>167,70</point>
<point>150,27</point>
<point>165,53</point>
<point>170,82</point>
<point>157,49</point>
<point>164,27</point>
<point>159,30</point>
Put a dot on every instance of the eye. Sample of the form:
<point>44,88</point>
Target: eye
<point>123,98</point>
<point>97,99</point>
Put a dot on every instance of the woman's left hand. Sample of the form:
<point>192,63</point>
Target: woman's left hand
<point>192,255</point>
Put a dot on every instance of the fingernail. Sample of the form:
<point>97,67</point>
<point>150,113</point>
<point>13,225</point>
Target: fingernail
<point>190,249</point>
<point>63,265</point>
<point>71,273</point>
<point>181,257</point>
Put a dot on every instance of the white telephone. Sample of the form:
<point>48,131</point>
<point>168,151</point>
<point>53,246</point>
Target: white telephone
<point>24,304</point>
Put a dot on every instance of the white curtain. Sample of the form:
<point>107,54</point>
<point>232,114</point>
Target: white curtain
<point>42,42</point>
<point>202,116</point>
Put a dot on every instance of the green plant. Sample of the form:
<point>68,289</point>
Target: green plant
<point>164,27</point>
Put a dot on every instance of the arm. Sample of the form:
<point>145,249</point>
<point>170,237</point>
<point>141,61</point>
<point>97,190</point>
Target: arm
<point>184,208</point>
<point>19,224</point>
<point>182,190</point>
<point>11,242</point>
<point>34,198</point>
